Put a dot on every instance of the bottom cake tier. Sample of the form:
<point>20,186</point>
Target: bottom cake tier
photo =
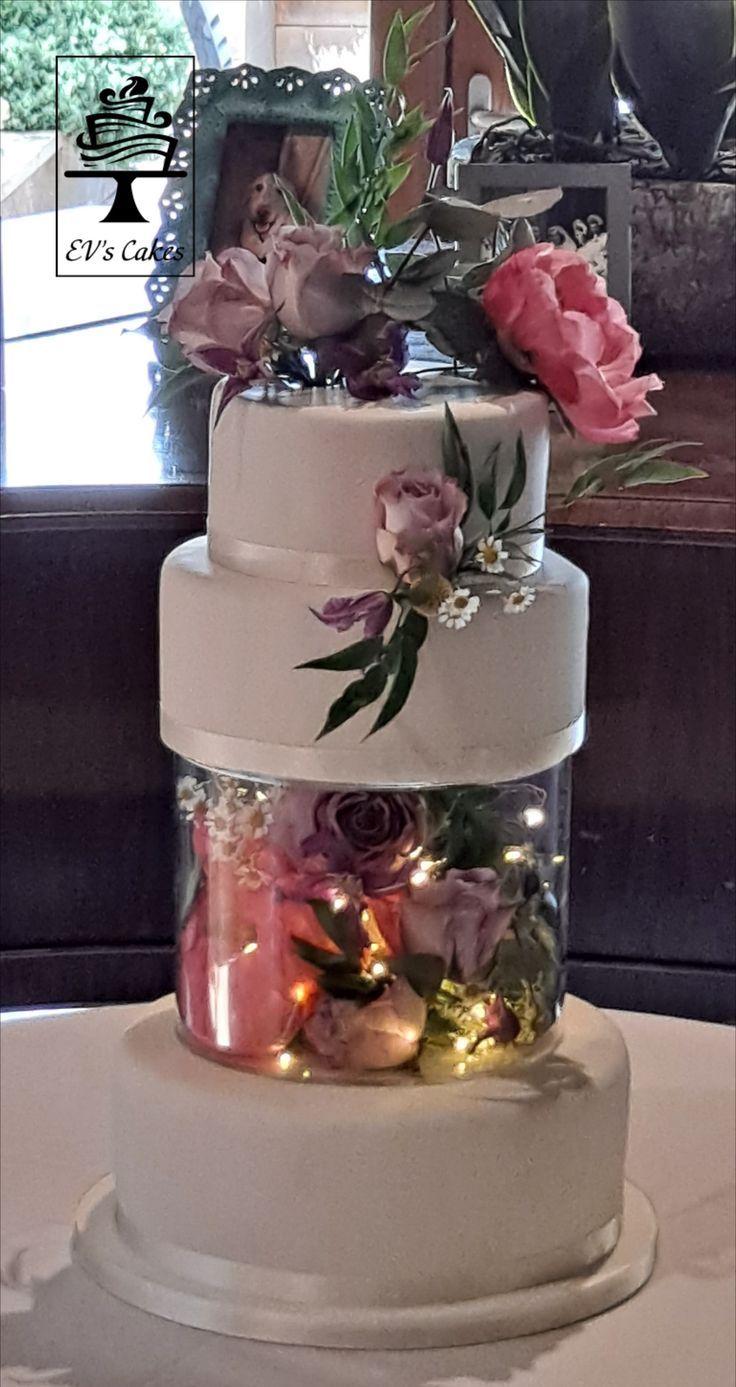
<point>371,1215</point>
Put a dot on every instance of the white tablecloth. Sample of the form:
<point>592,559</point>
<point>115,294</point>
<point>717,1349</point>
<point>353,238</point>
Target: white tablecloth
<point>59,1328</point>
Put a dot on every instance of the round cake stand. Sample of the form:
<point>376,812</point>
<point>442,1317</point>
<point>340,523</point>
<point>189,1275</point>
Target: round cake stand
<point>99,1248</point>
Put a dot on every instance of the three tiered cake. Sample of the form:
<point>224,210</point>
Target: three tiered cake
<point>377,919</point>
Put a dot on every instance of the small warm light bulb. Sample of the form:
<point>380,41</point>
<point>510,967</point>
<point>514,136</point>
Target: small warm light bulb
<point>306,1073</point>
<point>513,855</point>
<point>365,918</point>
<point>300,992</point>
<point>261,795</point>
<point>250,948</point>
<point>378,969</point>
<point>419,878</point>
<point>374,947</point>
<point>461,1067</point>
<point>534,816</point>
<point>558,859</point>
<point>285,1060</point>
<point>415,853</point>
<point>462,1043</point>
<point>427,864</point>
<point>478,1012</point>
<point>339,902</point>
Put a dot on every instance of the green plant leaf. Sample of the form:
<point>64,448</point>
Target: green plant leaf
<point>455,456</point>
<point>358,695</point>
<point>412,21</point>
<point>396,175</point>
<point>487,484</point>
<point>173,385</point>
<point>393,234</point>
<point>662,473</point>
<point>319,958</point>
<point>423,972</point>
<point>414,628</point>
<point>298,214</point>
<point>342,927</point>
<point>518,477</point>
<point>395,52</point>
<point>426,269</point>
<point>643,465</point>
<point>357,656</point>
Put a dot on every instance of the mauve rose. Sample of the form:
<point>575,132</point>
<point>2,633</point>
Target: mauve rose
<point>372,608</point>
<point>316,286</point>
<point>222,314</point>
<point>381,1035</point>
<point>366,834</point>
<point>461,917</point>
<point>418,517</point>
<point>554,320</point>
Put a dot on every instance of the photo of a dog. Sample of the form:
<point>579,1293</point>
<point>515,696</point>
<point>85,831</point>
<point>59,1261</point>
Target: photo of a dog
<point>258,160</point>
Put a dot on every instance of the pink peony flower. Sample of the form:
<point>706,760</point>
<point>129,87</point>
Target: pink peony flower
<point>316,286</point>
<point>555,321</point>
<point>418,517</point>
<point>380,1035</point>
<point>372,608</point>
<point>461,918</point>
<point>219,318</point>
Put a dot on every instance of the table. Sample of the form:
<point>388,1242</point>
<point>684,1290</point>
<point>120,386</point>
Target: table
<point>58,1327</point>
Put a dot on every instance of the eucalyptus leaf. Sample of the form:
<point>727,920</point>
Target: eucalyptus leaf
<point>412,21</point>
<point>454,219</point>
<point>530,204</point>
<point>645,464</point>
<point>356,656</point>
<point>455,456</point>
<point>426,269</point>
<point>406,303</point>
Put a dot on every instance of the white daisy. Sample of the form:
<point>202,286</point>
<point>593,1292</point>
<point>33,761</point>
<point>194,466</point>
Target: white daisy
<point>490,555</point>
<point>255,818</point>
<point>222,828</point>
<point>457,609</point>
<point>189,794</point>
<point>518,600</point>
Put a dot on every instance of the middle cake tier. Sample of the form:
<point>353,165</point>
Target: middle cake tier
<point>497,701</point>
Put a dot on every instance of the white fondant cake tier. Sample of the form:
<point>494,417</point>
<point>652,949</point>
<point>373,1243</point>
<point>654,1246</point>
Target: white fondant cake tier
<point>291,483</point>
<point>499,700</point>
<point>355,1203</point>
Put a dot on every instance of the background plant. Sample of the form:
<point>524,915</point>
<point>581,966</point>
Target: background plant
<point>34,31</point>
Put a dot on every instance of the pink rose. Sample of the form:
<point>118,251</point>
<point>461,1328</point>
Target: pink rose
<point>555,321</point>
<point>461,918</point>
<point>418,517</point>
<point>316,286</point>
<point>219,318</point>
<point>381,1035</point>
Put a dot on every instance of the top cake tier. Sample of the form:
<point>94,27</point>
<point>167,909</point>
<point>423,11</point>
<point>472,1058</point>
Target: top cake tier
<point>291,482</point>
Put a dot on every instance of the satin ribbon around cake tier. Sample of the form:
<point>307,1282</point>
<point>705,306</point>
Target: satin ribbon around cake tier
<point>346,1292</point>
<point>339,572</point>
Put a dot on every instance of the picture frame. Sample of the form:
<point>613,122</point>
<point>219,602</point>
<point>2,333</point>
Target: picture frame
<point>609,185</point>
<point>230,123</point>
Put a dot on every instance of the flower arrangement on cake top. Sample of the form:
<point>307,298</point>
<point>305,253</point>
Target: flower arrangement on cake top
<point>331,305</point>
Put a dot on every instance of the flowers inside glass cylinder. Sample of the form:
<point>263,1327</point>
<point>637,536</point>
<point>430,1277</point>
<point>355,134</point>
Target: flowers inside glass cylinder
<point>352,933</point>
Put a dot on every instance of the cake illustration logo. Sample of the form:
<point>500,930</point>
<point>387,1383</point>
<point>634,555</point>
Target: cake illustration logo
<point>123,131</point>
